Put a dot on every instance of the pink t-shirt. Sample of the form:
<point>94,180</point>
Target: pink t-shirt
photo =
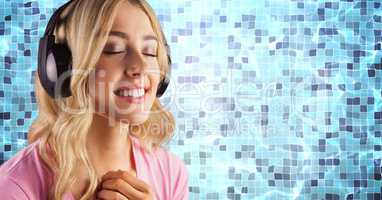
<point>26,177</point>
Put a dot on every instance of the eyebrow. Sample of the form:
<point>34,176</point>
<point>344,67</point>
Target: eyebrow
<point>126,37</point>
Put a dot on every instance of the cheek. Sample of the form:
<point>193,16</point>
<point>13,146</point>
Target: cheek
<point>154,81</point>
<point>99,83</point>
<point>155,75</point>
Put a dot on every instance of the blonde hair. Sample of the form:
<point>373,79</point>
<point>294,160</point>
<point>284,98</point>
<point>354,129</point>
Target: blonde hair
<point>62,135</point>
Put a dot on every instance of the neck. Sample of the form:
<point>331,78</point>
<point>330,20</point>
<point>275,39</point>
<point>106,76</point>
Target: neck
<point>109,146</point>
<point>109,149</point>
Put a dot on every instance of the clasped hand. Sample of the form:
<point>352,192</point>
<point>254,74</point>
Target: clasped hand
<point>123,185</point>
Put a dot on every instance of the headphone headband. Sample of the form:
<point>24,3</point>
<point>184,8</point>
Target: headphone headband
<point>55,18</point>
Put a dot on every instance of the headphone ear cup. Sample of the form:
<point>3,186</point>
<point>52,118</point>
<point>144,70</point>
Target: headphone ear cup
<point>54,67</point>
<point>63,61</point>
<point>162,86</point>
<point>45,48</point>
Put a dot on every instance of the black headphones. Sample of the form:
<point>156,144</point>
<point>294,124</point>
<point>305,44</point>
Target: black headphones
<point>55,60</point>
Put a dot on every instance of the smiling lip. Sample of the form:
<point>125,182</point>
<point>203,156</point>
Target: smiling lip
<point>131,87</point>
<point>131,100</point>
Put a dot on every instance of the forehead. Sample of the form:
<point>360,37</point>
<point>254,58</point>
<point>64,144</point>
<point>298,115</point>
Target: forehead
<point>132,20</point>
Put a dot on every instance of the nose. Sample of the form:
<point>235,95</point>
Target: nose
<point>135,65</point>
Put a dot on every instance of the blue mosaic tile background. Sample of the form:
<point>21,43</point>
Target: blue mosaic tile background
<point>273,99</point>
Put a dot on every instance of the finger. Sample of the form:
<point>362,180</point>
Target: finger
<point>122,187</point>
<point>128,177</point>
<point>110,195</point>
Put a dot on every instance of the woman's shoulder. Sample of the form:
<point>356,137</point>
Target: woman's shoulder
<point>25,172</point>
<point>161,157</point>
<point>177,172</point>
<point>10,189</point>
<point>168,168</point>
<point>24,157</point>
<point>164,153</point>
<point>161,153</point>
<point>175,165</point>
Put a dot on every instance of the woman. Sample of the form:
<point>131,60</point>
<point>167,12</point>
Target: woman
<point>99,143</point>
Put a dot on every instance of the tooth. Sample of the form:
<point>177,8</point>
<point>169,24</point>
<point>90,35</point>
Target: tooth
<point>132,93</point>
<point>125,92</point>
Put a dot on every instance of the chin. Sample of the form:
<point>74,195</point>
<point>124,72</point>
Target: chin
<point>135,119</point>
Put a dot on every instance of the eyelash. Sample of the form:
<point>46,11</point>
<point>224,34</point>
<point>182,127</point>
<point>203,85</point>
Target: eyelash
<point>119,52</point>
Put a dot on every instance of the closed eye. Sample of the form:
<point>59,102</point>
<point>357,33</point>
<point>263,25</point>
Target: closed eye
<point>113,52</point>
<point>119,52</point>
<point>151,55</point>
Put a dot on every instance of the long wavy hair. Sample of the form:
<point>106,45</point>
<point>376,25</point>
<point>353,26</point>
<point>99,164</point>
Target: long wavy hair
<point>62,135</point>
